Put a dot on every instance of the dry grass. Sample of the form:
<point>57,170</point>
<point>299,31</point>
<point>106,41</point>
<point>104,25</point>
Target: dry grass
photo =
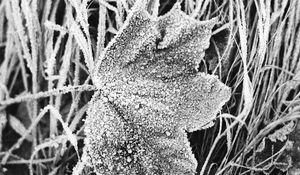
<point>48,50</point>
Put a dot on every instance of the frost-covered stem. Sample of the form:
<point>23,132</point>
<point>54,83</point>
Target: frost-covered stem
<point>200,8</point>
<point>35,109</point>
<point>52,92</point>
<point>197,8</point>
<point>247,84</point>
<point>101,31</point>
<point>53,121</point>
<point>211,151</point>
<point>31,16</point>
<point>82,19</point>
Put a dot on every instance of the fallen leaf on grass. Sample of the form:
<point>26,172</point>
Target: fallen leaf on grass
<point>151,93</point>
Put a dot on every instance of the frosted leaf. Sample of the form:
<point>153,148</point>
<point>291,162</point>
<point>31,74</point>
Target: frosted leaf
<point>282,133</point>
<point>151,93</point>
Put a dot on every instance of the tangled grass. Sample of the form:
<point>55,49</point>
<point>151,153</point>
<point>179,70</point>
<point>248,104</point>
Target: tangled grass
<point>48,50</point>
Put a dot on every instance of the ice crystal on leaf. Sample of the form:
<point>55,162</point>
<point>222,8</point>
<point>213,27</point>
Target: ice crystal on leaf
<point>151,94</point>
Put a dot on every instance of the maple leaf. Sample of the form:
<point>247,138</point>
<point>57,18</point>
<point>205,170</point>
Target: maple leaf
<point>151,94</point>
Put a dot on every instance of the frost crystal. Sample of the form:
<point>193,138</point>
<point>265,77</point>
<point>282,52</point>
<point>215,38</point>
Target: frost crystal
<point>151,94</point>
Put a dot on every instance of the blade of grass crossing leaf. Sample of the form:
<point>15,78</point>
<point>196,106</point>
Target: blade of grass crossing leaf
<point>63,90</point>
